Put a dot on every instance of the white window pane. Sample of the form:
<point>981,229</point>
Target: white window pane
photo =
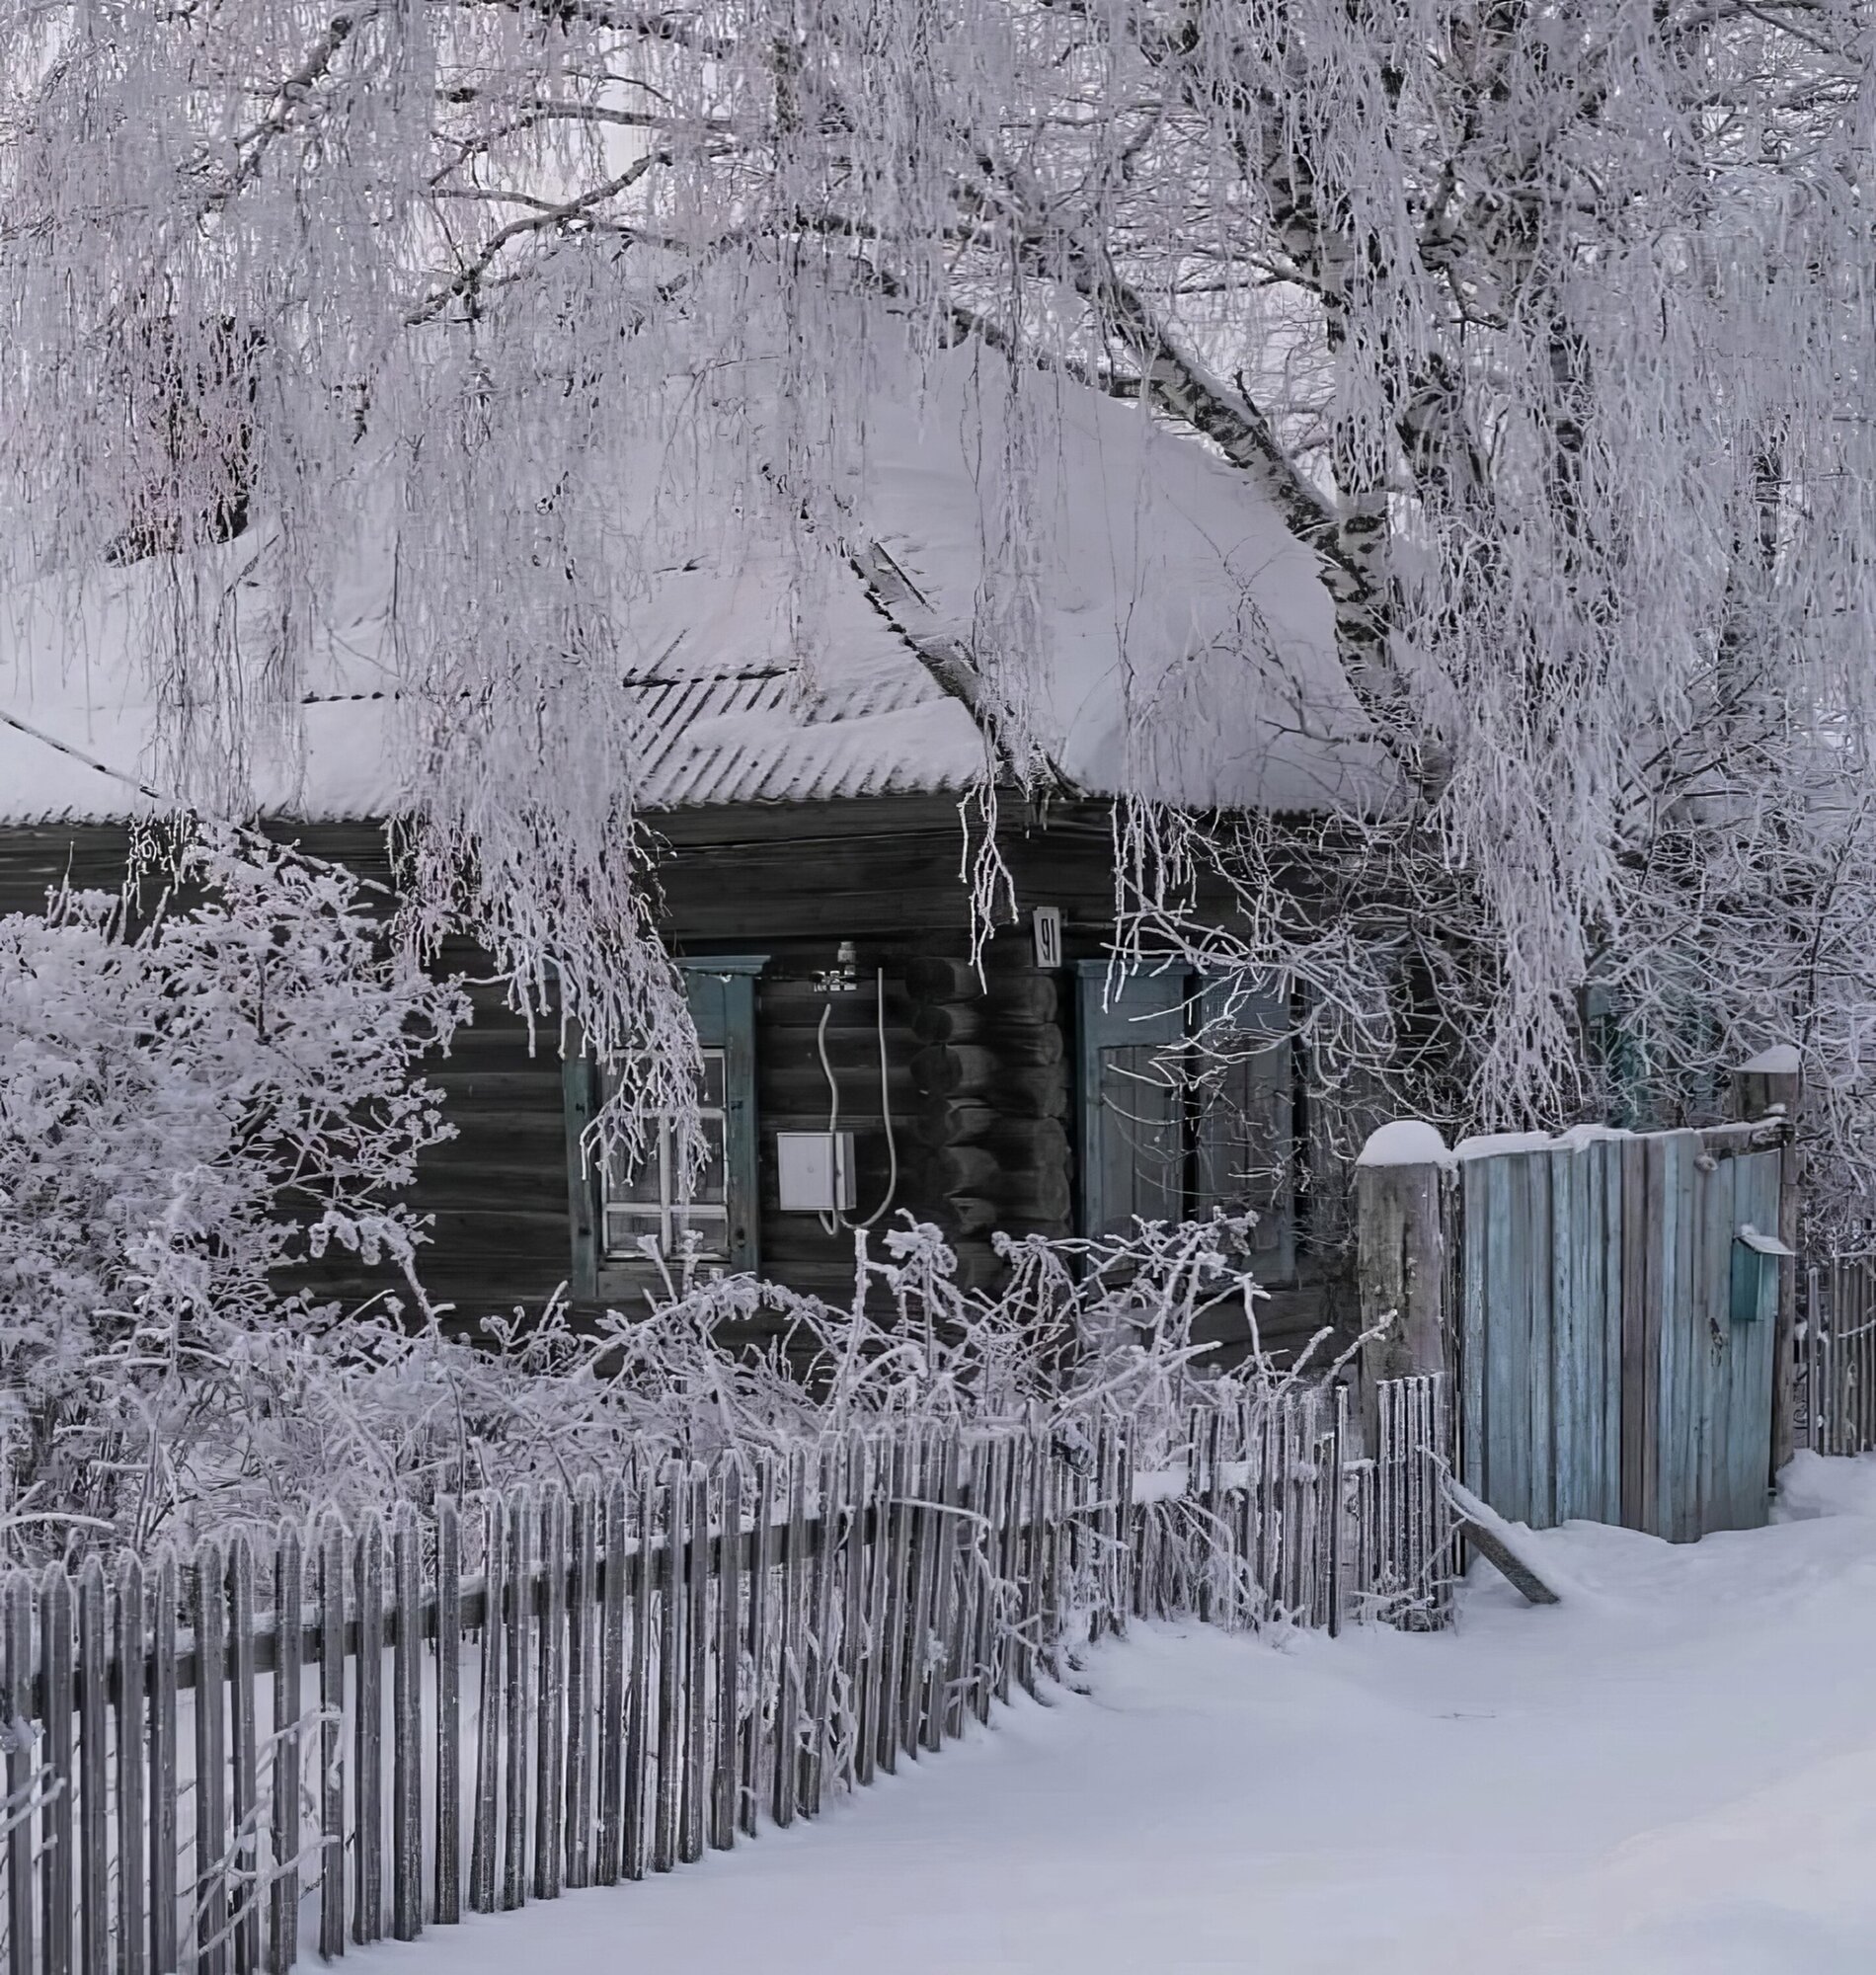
<point>626,1229</point>
<point>637,1183</point>
<point>707,1184</point>
<point>710,1226</point>
<point>649,1196</point>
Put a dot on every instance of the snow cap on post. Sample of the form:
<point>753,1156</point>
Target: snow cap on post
<point>1400,1208</point>
<point>1405,1142</point>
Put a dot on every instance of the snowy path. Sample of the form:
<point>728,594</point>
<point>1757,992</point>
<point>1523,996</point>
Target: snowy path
<point>1673,1771</point>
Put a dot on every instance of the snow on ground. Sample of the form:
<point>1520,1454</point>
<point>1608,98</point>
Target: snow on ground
<point>1673,1773</point>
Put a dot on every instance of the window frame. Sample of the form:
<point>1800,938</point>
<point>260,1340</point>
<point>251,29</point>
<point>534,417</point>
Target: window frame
<point>1164,1010</point>
<point>722,993</point>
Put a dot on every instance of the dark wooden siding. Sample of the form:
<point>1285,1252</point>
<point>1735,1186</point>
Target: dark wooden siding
<point>980,1080</point>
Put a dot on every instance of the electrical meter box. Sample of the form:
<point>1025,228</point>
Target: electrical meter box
<point>815,1171</point>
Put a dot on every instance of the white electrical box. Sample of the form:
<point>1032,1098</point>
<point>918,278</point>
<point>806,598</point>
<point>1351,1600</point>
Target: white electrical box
<point>815,1171</point>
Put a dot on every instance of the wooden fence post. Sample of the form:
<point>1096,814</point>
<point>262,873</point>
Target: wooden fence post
<point>1401,1198</point>
<point>1770,1086</point>
<point>446,1882</point>
<point>283,1789</point>
<point>57,1832</point>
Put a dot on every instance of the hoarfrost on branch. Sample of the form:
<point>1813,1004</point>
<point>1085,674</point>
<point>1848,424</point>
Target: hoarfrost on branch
<point>1547,329</point>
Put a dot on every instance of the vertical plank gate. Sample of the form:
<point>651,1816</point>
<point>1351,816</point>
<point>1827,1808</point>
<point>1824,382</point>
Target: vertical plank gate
<point>1609,1366</point>
<point>1611,1307</point>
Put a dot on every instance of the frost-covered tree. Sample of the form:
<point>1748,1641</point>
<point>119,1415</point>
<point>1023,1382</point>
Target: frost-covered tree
<point>1547,327</point>
<point>198,1102</point>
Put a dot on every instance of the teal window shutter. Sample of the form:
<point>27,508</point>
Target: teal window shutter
<point>723,1005</point>
<point>580,1097</point>
<point>1244,1127</point>
<point>1132,1101</point>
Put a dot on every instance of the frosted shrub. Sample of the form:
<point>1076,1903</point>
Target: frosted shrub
<point>368,1410</point>
<point>196,1109</point>
<point>191,1110</point>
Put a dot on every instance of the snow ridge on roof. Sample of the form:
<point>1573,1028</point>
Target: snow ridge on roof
<point>1181,645</point>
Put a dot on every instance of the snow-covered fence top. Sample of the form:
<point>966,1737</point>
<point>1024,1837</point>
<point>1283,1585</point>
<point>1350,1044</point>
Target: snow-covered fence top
<point>219,1761</point>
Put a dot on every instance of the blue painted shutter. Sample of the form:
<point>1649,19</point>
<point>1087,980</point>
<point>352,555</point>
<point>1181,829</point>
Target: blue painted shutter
<point>1245,1128</point>
<point>723,1005</point>
<point>1133,1140</point>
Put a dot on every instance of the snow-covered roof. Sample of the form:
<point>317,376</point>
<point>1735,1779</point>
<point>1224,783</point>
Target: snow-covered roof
<point>722,714</point>
<point>1186,647</point>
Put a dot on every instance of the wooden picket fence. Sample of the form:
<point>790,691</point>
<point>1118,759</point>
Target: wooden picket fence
<point>1836,1357</point>
<point>583,1687</point>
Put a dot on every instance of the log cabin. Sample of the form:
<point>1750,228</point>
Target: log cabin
<point>807,809</point>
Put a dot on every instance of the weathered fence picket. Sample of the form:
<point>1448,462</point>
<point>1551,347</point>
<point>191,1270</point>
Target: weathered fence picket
<point>332,1708</point>
<point>128,1700</point>
<point>165,1770</point>
<point>23,1783</point>
<point>653,1667</point>
<point>57,1664</point>
<point>283,1789</point>
<point>550,1696</point>
<point>244,1760</point>
<point>485,1820</point>
<point>519,1662</point>
<point>638,1712</point>
<point>207,1926</point>
<point>670,1660</point>
<point>367,1769</point>
<point>446,1883</point>
<point>582,1609</point>
<point>1836,1386</point>
<point>406,1722</point>
<point>94,1807</point>
<point>696,1596</point>
<point>609,1843</point>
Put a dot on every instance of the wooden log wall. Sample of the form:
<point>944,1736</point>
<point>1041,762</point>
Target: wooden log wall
<point>501,1237</point>
<point>979,1082</point>
<point>994,1090</point>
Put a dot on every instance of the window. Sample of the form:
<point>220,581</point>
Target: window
<point>647,1201</point>
<point>1168,1131</point>
<point>617,1208</point>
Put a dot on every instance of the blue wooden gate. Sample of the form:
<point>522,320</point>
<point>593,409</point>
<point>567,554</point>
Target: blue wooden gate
<point>1615,1361</point>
